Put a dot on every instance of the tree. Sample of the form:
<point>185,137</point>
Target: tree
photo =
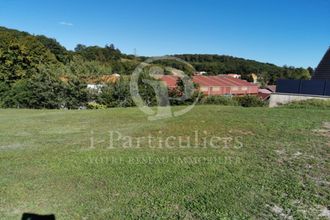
<point>61,54</point>
<point>40,91</point>
<point>79,47</point>
<point>22,59</point>
<point>311,71</point>
<point>116,95</point>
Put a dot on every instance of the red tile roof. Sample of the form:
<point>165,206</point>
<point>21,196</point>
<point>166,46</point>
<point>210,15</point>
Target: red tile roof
<point>170,80</point>
<point>264,93</point>
<point>225,82</point>
<point>208,81</point>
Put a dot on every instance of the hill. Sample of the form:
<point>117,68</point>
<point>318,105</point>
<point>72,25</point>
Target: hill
<point>38,72</point>
<point>221,64</point>
<point>91,60</point>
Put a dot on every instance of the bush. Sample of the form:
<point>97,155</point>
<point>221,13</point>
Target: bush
<point>43,90</point>
<point>219,100</point>
<point>249,101</point>
<point>76,94</point>
<point>186,92</point>
<point>244,101</point>
<point>94,105</point>
<point>116,95</point>
<point>310,103</point>
<point>119,93</point>
<point>37,92</point>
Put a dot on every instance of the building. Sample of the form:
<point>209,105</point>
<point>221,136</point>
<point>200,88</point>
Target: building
<point>296,90</point>
<point>264,94</point>
<point>322,72</point>
<point>216,85</point>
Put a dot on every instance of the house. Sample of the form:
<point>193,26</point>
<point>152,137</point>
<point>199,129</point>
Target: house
<point>216,85</point>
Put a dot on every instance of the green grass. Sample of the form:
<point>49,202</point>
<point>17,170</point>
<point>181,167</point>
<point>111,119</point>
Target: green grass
<point>282,169</point>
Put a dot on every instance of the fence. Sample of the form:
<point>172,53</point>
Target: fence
<point>308,87</point>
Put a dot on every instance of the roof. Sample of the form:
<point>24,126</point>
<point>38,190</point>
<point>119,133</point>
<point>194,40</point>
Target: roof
<point>271,88</point>
<point>222,81</point>
<point>322,71</point>
<point>170,80</point>
<point>265,91</point>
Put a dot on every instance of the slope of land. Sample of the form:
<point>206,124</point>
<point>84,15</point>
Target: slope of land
<point>26,51</point>
<point>275,164</point>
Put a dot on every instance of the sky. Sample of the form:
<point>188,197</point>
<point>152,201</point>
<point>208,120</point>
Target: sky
<point>283,32</point>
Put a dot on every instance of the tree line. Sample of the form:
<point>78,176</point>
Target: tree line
<point>32,69</point>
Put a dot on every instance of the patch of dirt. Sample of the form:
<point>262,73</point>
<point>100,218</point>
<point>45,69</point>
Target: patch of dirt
<point>280,212</point>
<point>325,130</point>
<point>325,213</point>
<point>310,211</point>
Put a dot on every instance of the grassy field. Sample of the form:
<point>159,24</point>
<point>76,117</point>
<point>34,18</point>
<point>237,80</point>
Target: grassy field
<point>263,163</point>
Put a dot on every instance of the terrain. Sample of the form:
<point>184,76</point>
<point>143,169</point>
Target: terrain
<point>264,163</point>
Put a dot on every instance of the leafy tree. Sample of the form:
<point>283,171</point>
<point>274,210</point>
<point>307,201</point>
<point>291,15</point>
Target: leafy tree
<point>311,71</point>
<point>23,58</point>
<point>116,95</point>
<point>80,47</point>
<point>75,94</point>
<point>44,90</point>
<point>61,54</point>
<point>40,91</point>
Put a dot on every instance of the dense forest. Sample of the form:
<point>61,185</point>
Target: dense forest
<point>37,71</point>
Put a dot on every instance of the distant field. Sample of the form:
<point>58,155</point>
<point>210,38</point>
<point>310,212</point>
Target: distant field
<point>264,163</point>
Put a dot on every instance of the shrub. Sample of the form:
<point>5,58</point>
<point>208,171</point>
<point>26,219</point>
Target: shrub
<point>119,93</point>
<point>94,105</point>
<point>219,100</point>
<point>76,94</point>
<point>38,92</point>
<point>43,90</point>
<point>249,101</point>
<point>310,103</point>
<point>116,95</point>
<point>244,101</point>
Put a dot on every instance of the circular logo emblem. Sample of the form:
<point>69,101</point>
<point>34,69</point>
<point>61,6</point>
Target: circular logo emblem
<point>177,87</point>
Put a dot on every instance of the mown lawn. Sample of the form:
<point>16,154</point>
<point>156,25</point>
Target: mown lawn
<point>268,163</point>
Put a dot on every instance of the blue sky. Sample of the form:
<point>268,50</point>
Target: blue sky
<point>291,32</point>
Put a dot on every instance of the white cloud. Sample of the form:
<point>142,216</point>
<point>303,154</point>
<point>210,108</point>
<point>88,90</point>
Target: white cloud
<point>65,23</point>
